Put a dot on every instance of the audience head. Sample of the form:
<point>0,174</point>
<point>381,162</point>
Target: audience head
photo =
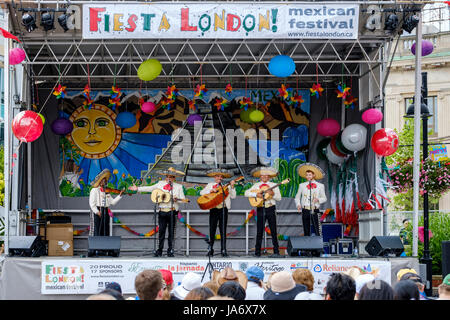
<point>406,290</point>
<point>212,285</point>
<point>101,296</point>
<point>361,280</point>
<point>376,290</point>
<point>149,285</point>
<point>402,272</point>
<point>227,274</point>
<point>242,279</point>
<point>114,293</point>
<point>200,293</point>
<point>340,287</point>
<point>353,272</point>
<point>414,277</point>
<point>231,289</point>
<point>283,287</point>
<point>304,277</point>
<point>255,274</point>
<point>114,286</point>
<point>190,281</point>
<point>168,278</point>
<point>444,289</point>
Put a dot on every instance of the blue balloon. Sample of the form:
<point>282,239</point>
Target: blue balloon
<point>126,120</point>
<point>281,66</point>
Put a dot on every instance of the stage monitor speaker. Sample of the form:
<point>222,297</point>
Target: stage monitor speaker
<point>445,258</point>
<point>26,246</point>
<point>380,246</point>
<point>104,246</point>
<point>305,246</point>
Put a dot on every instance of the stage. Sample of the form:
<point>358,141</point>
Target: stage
<point>73,278</point>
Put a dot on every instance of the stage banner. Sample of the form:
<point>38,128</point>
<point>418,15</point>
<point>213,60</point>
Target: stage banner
<point>91,276</point>
<point>220,21</point>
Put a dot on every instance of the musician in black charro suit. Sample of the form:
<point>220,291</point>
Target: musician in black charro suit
<point>219,214</point>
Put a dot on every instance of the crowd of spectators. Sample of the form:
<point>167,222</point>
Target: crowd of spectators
<point>229,284</point>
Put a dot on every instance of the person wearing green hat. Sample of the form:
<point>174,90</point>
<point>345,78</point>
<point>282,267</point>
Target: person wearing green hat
<point>444,288</point>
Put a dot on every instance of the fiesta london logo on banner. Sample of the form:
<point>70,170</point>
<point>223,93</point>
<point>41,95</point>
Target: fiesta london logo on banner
<point>213,20</point>
<point>61,278</point>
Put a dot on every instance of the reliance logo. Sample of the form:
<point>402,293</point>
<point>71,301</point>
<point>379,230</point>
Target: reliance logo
<point>317,268</point>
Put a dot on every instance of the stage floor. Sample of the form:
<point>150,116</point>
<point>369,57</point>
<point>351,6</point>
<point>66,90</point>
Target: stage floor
<point>77,277</point>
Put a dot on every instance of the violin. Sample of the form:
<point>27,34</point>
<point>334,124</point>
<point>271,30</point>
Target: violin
<point>117,191</point>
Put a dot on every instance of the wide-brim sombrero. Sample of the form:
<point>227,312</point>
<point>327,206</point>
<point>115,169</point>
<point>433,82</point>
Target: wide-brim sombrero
<point>171,172</point>
<point>219,172</point>
<point>264,171</point>
<point>318,172</point>
<point>104,174</point>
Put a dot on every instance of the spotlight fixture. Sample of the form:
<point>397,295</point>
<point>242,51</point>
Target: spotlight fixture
<point>29,22</point>
<point>410,23</point>
<point>391,22</point>
<point>374,20</point>
<point>62,20</point>
<point>47,21</point>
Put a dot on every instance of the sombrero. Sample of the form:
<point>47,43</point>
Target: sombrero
<point>318,172</point>
<point>216,172</point>
<point>261,171</point>
<point>104,174</point>
<point>171,172</point>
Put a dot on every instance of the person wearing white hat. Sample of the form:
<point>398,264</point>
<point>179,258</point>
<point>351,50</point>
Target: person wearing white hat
<point>190,281</point>
<point>99,202</point>
<point>219,214</point>
<point>167,210</point>
<point>309,196</point>
<point>268,210</point>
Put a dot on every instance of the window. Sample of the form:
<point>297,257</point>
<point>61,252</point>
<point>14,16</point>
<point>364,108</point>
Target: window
<point>432,107</point>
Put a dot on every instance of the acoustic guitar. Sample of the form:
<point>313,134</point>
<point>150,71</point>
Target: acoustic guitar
<point>160,196</point>
<point>213,199</point>
<point>258,202</point>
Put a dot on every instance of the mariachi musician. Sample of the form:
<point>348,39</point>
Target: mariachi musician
<point>167,210</point>
<point>310,195</point>
<point>267,211</point>
<point>100,201</point>
<point>219,214</point>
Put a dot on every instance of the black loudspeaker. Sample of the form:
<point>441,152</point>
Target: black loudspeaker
<point>385,245</point>
<point>305,246</point>
<point>104,246</point>
<point>445,258</point>
<point>27,246</point>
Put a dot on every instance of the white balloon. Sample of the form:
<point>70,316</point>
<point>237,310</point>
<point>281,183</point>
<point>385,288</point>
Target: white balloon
<point>332,157</point>
<point>354,137</point>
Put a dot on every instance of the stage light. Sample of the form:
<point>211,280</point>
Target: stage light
<point>374,20</point>
<point>410,23</point>
<point>391,22</point>
<point>29,22</point>
<point>62,20</point>
<point>47,21</point>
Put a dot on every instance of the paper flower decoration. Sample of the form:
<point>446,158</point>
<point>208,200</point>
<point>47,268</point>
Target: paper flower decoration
<point>297,101</point>
<point>229,89</point>
<point>200,90</point>
<point>343,91</point>
<point>221,104</point>
<point>421,234</point>
<point>172,92</point>
<point>166,103</point>
<point>316,90</point>
<point>60,92</point>
<point>284,92</point>
<point>245,103</point>
<point>114,101</point>
<point>87,96</point>
<point>192,105</point>
<point>349,101</point>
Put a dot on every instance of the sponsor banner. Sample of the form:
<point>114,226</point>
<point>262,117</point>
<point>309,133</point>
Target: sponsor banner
<point>92,276</point>
<point>220,20</point>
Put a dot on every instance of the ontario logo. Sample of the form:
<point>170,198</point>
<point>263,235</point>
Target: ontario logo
<point>317,268</point>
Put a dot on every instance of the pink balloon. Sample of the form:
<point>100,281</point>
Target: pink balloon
<point>372,116</point>
<point>27,126</point>
<point>16,56</point>
<point>148,107</point>
<point>328,127</point>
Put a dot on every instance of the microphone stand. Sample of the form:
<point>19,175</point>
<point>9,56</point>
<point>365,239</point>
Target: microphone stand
<point>223,217</point>
<point>172,209</point>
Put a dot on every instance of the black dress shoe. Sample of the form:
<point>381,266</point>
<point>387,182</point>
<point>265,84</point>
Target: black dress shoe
<point>224,253</point>
<point>158,253</point>
<point>170,254</point>
<point>257,254</point>
<point>210,253</point>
